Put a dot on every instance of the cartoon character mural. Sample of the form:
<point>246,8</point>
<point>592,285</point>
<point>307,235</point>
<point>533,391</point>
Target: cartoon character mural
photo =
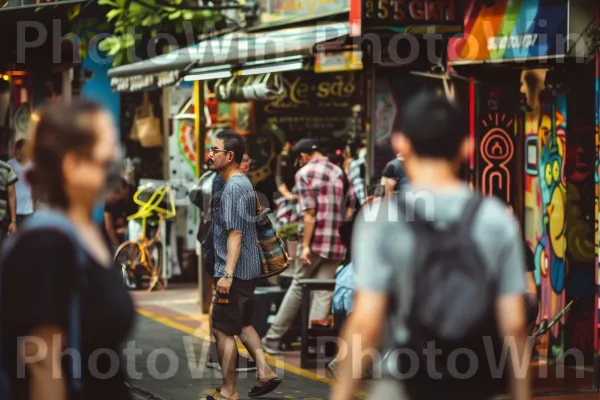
<point>545,200</point>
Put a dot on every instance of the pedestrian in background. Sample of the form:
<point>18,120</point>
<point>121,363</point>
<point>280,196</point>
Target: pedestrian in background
<point>393,175</point>
<point>8,200</point>
<point>20,164</point>
<point>118,207</point>
<point>320,185</point>
<point>45,269</point>
<point>237,268</point>
<point>447,270</point>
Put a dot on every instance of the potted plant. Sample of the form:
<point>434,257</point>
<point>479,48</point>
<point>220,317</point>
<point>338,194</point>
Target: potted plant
<point>289,234</point>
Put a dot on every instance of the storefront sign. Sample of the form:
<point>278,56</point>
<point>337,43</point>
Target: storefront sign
<point>340,61</point>
<point>512,30</point>
<point>24,3</point>
<point>279,10</point>
<point>316,104</point>
<point>412,16</point>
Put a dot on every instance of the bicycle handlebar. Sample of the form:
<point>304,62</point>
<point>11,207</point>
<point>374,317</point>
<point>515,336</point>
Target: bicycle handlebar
<point>152,205</point>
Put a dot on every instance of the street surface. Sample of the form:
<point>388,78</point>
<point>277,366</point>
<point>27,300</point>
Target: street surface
<point>169,323</point>
<point>187,383</point>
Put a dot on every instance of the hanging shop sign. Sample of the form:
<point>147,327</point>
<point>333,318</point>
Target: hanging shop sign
<point>512,30</point>
<point>280,10</point>
<point>338,61</point>
<point>142,82</point>
<point>408,16</point>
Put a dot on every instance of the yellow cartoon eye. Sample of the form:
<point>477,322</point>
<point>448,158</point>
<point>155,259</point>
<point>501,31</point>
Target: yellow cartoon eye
<point>548,172</point>
<point>556,171</point>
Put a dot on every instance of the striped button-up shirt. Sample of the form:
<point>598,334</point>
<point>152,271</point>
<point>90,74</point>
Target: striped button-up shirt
<point>235,209</point>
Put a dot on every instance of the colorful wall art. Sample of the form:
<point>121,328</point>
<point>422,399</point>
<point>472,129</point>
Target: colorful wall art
<point>545,200</point>
<point>510,30</point>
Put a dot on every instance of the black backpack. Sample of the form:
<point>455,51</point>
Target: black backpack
<point>454,295</point>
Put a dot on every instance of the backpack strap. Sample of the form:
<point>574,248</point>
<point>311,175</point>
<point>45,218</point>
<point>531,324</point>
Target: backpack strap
<point>469,213</point>
<point>49,219</point>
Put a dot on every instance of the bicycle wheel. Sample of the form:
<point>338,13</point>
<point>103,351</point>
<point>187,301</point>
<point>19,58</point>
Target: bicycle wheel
<point>155,258</point>
<point>129,257</point>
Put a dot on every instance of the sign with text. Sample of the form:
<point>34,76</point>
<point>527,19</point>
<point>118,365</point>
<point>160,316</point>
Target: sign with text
<point>312,103</point>
<point>512,30</point>
<point>412,16</point>
<point>338,61</point>
<point>24,3</point>
<point>279,10</point>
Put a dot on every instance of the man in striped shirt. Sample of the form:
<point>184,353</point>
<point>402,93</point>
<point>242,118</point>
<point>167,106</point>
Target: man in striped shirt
<point>237,267</point>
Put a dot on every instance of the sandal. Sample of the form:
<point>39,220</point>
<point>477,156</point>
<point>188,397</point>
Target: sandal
<point>262,388</point>
<point>214,395</point>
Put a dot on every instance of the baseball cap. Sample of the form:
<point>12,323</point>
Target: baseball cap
<point>308,146</point>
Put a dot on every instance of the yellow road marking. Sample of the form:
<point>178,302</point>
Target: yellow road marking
<point>277,362</point>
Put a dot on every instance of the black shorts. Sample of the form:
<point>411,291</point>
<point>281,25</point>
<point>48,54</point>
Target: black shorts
<point>232,312</point>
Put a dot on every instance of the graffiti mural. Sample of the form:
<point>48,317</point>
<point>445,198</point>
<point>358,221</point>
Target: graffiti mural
<point>497,151</point>
<point>545,200</point>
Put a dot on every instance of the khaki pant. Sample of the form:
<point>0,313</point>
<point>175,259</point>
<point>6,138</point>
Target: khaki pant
<point>319,268</point>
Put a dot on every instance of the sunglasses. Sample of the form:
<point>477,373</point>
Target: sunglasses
<point>215,150</point>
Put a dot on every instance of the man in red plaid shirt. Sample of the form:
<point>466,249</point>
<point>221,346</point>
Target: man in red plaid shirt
<point>323,192</point>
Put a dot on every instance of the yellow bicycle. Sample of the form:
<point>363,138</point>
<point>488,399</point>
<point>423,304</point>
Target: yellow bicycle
<point>144,256</point>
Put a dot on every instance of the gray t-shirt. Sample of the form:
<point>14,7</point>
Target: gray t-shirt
<point>383,247</point>
<point>235,209</point>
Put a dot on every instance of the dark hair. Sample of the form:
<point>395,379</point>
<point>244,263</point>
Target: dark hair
<point>117,183</point>
<point>59,129</point>
<point>20,144</point>
<point>434,126</point>
<point>233,142</point>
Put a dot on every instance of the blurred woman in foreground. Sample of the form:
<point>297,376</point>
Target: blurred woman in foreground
<point>72,149</point>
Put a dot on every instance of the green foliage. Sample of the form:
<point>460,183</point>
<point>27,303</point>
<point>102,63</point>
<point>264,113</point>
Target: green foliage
<point>288,232</point>
<point>131,20</point>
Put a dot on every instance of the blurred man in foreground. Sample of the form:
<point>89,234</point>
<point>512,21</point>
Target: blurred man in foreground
<point>427,268</point>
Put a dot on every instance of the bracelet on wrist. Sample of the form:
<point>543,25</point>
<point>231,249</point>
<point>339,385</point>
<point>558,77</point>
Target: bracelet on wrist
<point>226,275</point>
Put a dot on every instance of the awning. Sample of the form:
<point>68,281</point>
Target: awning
<point>233,49</point>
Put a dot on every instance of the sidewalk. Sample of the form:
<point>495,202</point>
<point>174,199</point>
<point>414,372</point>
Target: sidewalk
<point>172,319</point>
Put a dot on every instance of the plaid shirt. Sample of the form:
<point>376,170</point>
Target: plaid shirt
<point>357,180</point>
<point>320,186</point>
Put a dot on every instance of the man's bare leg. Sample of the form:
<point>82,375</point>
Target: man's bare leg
<point>227,351</point>
<point>251,341</point>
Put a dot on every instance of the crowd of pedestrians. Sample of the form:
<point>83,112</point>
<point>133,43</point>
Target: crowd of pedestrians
<point>428,261</point>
